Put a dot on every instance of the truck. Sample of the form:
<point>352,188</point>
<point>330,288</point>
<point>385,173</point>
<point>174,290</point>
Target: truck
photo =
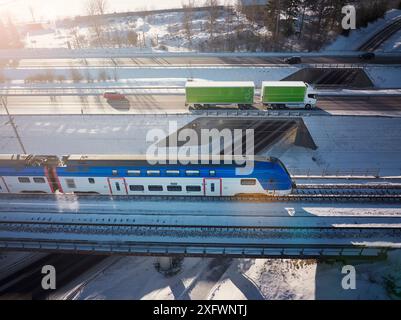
<point>290,94</point>
<point>213,93</point>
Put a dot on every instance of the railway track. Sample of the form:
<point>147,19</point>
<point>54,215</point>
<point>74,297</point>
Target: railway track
<point>374,43</point>
<point>303,192</point>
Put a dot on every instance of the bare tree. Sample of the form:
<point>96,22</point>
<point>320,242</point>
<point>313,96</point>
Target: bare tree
<point>213,11</point>
<point>187,19</point>
<point>96,7</point>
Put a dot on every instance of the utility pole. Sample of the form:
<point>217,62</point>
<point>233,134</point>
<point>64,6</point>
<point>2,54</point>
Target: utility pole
<point>11,120</point>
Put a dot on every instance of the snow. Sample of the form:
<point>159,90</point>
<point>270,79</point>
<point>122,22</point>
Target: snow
<point>385,77</point>
<point>359,36</point>
<point>239,279</point>
<point>161,76</point>
<point>347,144</point>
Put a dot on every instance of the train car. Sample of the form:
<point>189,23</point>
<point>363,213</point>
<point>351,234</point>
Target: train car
<point>133,175</point>
<point>26,173</point>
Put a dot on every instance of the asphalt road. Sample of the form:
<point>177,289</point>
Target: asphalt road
<point>151,103</point>
<point>201,60</point>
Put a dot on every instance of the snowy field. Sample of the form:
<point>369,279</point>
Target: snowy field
<point>360,36</point>
<point>237,279</point>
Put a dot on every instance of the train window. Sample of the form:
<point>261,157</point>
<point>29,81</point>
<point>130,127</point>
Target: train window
<point>193,188</point>
<point>174,188</point>
<point>39,180</point>
<point>118,188</point>
<point>248,182</point>
<point>173,172</point>
<point>91,180</point>
<point>153,173</point>
<point>155,188</point>
<point>212,173</point>
<point>212,187</point>
<point>70,183</point>
<point>192,173</point>
<point>136,188</point>
<point>23,180</point>
<point>133,173</point>
<point>114,172</point>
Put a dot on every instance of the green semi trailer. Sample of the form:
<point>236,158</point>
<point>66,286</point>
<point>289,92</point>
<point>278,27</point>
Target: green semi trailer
<point>291,94</point>
<point>214,93</point>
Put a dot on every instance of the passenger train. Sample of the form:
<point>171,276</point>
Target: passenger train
<point>133,175</point>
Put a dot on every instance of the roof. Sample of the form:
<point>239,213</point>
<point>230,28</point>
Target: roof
<point>216,84</point>
<point>284,84</point>
<point>143,159</point>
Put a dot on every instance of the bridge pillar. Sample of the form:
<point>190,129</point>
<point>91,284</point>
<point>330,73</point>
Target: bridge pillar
<point>168,265</point>
<point>165,263</point>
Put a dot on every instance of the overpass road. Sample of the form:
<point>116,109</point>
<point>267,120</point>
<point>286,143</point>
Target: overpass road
<point>175,103</point>
<point>196,61</point>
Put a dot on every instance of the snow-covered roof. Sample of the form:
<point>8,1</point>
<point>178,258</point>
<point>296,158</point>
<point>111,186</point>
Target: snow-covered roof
<point>283,84</point>
<point>214,84</point>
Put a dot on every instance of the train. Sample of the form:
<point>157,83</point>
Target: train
<point>122,175</point>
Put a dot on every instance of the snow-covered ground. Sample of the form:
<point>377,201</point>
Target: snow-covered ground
<point>238,279</point>
<point>385,77</point>
<point>345,144</point>
<point>359,36</point>
<point>160,31</point>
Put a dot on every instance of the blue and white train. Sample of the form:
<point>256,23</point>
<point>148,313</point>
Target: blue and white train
<point>133,175</point>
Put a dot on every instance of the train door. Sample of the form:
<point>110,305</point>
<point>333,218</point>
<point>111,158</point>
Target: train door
<point>118,186</point>
<point>3,187</point>
<point>212,187</point>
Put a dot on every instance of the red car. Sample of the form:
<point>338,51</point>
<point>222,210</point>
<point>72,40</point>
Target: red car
<point>113,95</point>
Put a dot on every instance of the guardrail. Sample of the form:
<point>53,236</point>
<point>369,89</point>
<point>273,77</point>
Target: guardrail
<point>329,172</point>
<point>274,252</point>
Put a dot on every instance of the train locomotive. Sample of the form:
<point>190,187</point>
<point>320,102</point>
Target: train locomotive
<point>122,175</point>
